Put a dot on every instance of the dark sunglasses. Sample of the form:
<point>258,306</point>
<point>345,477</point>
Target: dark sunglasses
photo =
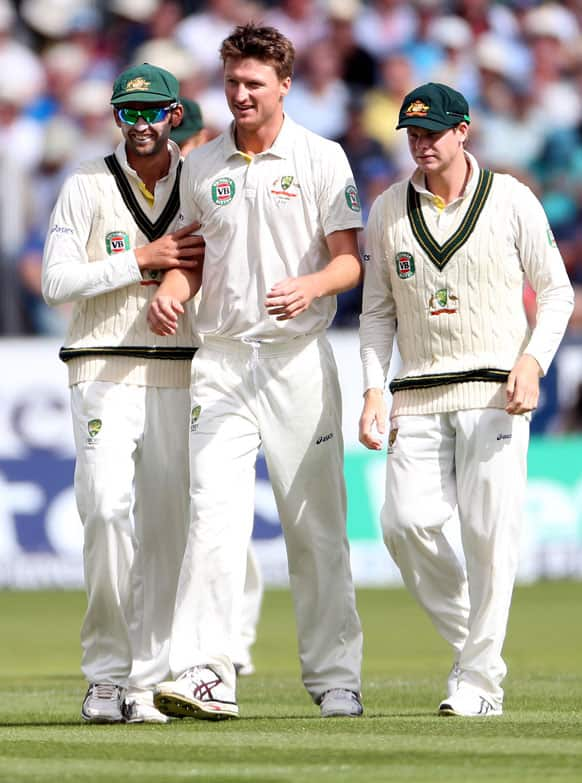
<point>151,116</point>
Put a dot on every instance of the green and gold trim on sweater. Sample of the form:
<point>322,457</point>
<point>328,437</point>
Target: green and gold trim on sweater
<point>136,351</point>
<point>446,379</point>
<point>440,255</point>
<point>160,226</point>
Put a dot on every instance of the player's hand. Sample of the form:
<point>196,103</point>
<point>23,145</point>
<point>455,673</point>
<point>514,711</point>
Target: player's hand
<point>163,314</point>
<point>291,297</point>
<point>523,386</point>
<point>182,249</point>
<point>373,417</point>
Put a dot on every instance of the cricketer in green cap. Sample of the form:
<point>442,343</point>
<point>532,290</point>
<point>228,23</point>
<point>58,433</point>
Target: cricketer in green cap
<point>191,122</point>
<point>433,106</point>
<point>145,83</point>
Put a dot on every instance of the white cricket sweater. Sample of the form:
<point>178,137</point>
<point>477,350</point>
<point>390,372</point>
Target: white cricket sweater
<point>89,259</point>
<point>449,284</point>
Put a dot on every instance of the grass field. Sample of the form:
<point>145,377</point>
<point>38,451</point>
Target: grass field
<point>281,737</point>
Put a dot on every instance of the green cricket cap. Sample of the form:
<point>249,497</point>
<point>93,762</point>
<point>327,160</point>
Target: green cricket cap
<point>145,83</point>
<point>191,122</point>
<point>433,106</point>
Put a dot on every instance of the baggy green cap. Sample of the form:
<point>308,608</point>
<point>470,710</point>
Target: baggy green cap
<point>145,83</point>
<point>433,106</point>
<point>191,123</point>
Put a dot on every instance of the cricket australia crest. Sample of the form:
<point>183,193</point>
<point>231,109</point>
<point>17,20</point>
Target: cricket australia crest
<point>443,301</point>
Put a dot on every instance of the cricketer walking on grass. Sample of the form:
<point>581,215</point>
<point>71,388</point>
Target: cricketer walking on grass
<point>449,252</point>
<point>129,392</point>
<point>279,213</point>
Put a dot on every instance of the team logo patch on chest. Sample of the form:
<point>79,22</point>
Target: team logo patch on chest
<point>284,189</point>
<point>443,301</point>
<point>222,191</point>
<point>116,242</point>
<point>404,265</point>
<point>352,198</point>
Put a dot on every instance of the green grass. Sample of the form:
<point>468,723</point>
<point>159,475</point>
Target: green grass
<point>281,737</point>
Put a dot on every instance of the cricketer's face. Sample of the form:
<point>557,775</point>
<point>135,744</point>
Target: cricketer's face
<point>254,93</point>
<point>434,151</point>
<point>144,139</point>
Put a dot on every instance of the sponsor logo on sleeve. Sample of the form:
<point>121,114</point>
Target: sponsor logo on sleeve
<point>551,238</point>
<point>116,242</point>
<point>352,198</point>
<point>56,229</point>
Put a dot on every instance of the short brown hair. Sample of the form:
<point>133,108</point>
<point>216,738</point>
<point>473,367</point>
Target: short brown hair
<point>261,43</point>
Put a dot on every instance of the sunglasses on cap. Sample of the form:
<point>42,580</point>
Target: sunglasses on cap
<point>151,116</point>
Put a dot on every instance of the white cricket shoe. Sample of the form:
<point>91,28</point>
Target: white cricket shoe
<point>244,669</point>
<point>453,680</point>
<point>340,703</point>
<point>198,693</point>
<point>102,703</point>
<point>469,703</point>
<point>138,707</point>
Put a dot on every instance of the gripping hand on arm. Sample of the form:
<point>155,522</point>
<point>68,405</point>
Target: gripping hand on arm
<point>182,249</point>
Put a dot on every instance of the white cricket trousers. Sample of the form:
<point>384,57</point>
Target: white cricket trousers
<point>131,480</point>
<point>287,399</point>
<point>473,462</point>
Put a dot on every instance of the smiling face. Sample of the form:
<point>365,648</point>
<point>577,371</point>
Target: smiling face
<point>144,139</point>
<point>434,152</point>
<point>254,94</point>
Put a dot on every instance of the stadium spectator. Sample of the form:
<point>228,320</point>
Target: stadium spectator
<point>357,66</point>
<point>319,97</point>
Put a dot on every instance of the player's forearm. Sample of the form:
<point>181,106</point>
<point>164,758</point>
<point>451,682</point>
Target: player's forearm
<point>66,280</point>
<point>181,284</point>
<point>343,273</point>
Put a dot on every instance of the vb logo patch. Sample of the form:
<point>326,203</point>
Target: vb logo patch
<point>194,416</point>
<point>93,428</point>
<point>352,198</point>
<point>404,265</point>
<point>222,191</point>
<point>116,242</point>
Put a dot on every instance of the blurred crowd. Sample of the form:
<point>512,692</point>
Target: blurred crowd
<point>518,62</point>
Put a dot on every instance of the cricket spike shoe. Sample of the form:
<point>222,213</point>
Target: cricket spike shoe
<point>469,703</point>
<point>197,693</point>
<point>340,703</point>
<point>138,707</point>
<point>103,703</point>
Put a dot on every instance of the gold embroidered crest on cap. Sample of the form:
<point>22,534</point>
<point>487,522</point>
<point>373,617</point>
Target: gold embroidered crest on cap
<point>137,84</point>
<point>417,109</point>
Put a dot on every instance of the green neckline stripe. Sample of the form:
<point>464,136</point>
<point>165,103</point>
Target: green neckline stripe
<point>151,230</point>
<point>441,254</point>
